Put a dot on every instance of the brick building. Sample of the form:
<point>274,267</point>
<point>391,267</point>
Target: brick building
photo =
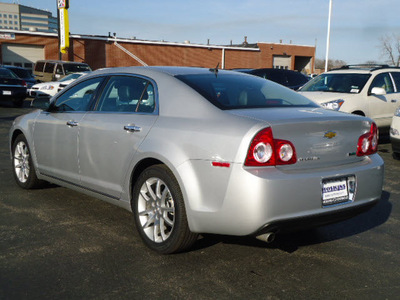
<point>24,48</point>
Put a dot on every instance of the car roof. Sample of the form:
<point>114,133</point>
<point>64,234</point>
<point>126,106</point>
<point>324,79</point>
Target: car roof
<point>170,70</point>
<point>364,69</point>
<point>10,66</point>
<point>61,61</point>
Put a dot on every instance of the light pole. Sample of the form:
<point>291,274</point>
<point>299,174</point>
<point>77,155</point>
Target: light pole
<point>328,36</point>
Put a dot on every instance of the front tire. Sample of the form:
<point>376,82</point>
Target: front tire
<point>159,211</point>
<point>23,169</point>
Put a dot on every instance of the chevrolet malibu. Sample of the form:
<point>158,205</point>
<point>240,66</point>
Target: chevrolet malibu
<point>192,150</point>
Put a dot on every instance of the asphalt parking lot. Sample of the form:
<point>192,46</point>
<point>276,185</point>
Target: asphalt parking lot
<point>59,244</point>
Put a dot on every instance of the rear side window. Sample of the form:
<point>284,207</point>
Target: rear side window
<point>294,78</point>
<point>39,66</point>
<point>238,91</point>
<point>127,94</point>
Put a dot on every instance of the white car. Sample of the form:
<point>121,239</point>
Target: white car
<point>372,91</point>
<point>48,89</point>
<point>395,134</point>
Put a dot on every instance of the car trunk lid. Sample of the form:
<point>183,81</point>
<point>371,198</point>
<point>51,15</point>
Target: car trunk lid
<point>321,138</point>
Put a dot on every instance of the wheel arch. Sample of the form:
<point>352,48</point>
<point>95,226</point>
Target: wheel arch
<point>14,135</point>
<point>359,113</point>
<point>139,168</point>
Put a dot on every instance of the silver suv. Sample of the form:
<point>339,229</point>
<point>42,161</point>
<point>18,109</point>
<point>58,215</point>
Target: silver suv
<point>372,91</point>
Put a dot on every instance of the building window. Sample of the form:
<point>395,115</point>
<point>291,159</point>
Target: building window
<point>15,17</point>
<point>4,15</point>
<point>5,21</point>
<point>10,16</point>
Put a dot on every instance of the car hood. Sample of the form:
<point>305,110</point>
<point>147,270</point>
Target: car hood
<point>322,97</point>
<point>42,84</point>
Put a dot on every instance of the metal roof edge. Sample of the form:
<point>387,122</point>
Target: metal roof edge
<point>131,41</point>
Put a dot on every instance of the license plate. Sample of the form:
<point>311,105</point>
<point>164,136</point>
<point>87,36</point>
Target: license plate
<point>335,191</point>
<point>8,93</point>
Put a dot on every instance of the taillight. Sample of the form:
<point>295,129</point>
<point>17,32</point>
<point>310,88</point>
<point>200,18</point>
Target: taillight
<point>368,142</point>
<point>266,151</point>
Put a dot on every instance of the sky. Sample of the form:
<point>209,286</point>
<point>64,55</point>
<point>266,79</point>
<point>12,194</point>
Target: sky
<point>356,25</point>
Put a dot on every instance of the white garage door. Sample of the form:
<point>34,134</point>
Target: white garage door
<point>282,62</point>
<point>21,55</point>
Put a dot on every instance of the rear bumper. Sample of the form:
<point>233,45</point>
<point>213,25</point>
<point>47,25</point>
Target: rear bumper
<point>258,200</point>
<point>395,143</point>
<point>302,223</point>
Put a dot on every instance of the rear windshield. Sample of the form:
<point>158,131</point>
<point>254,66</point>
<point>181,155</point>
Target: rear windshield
<point>337,83</point>
<point>74,68</point>
<point>21,73</point>
<point>238,91</point>
<point>5,73</point>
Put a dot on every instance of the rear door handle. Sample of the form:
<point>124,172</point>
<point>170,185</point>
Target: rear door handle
<point>394,100</point>
<point>132,128</point>
<point>72,123</point>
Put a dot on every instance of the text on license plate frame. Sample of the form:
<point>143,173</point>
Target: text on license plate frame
<point>338,190</point>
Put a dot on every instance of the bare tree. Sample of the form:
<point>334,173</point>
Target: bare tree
<point>332,64</point>
<point>390,46</point>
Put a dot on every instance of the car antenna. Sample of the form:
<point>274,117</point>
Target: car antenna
<point>215,70</point>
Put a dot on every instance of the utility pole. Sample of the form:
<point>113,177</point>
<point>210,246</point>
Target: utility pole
<point>328,36</point>
<point>58,32</point>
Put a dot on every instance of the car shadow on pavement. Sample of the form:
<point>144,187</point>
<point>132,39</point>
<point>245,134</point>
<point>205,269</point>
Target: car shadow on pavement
<point>291,242</point>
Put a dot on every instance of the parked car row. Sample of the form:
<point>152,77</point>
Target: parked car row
<point>17,83</point>
<point>48,89</point>
<point>372,91</point>
<point>12,87</point>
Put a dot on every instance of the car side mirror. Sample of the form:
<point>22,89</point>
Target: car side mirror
<point>42,103</point>
<point>378,91</point>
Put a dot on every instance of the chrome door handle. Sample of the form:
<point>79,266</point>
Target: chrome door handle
<point>72,123</point>
<point>132,128</point>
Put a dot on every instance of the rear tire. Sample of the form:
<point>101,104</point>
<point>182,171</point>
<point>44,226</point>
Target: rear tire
<point>159,211</point>
<point>23,168</point>
<point>18,102</point>
<point>396,155</point>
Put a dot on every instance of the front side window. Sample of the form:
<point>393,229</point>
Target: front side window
<point>396,78</point>
<point>337,83</point>
<point>383,81</point>
<point>49,67</point>
<point>127,94</point>
<point>77,98</point>
<point>231,90</point>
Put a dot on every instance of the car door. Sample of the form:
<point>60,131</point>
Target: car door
<point>382,107</point>
<point>55,132</point>
<point>111,134</point>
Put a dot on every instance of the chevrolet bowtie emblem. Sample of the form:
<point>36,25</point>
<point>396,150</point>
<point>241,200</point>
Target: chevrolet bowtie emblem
<point>329,134</point>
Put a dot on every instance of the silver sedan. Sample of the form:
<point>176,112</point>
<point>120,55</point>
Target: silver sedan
<point>191,150</point>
